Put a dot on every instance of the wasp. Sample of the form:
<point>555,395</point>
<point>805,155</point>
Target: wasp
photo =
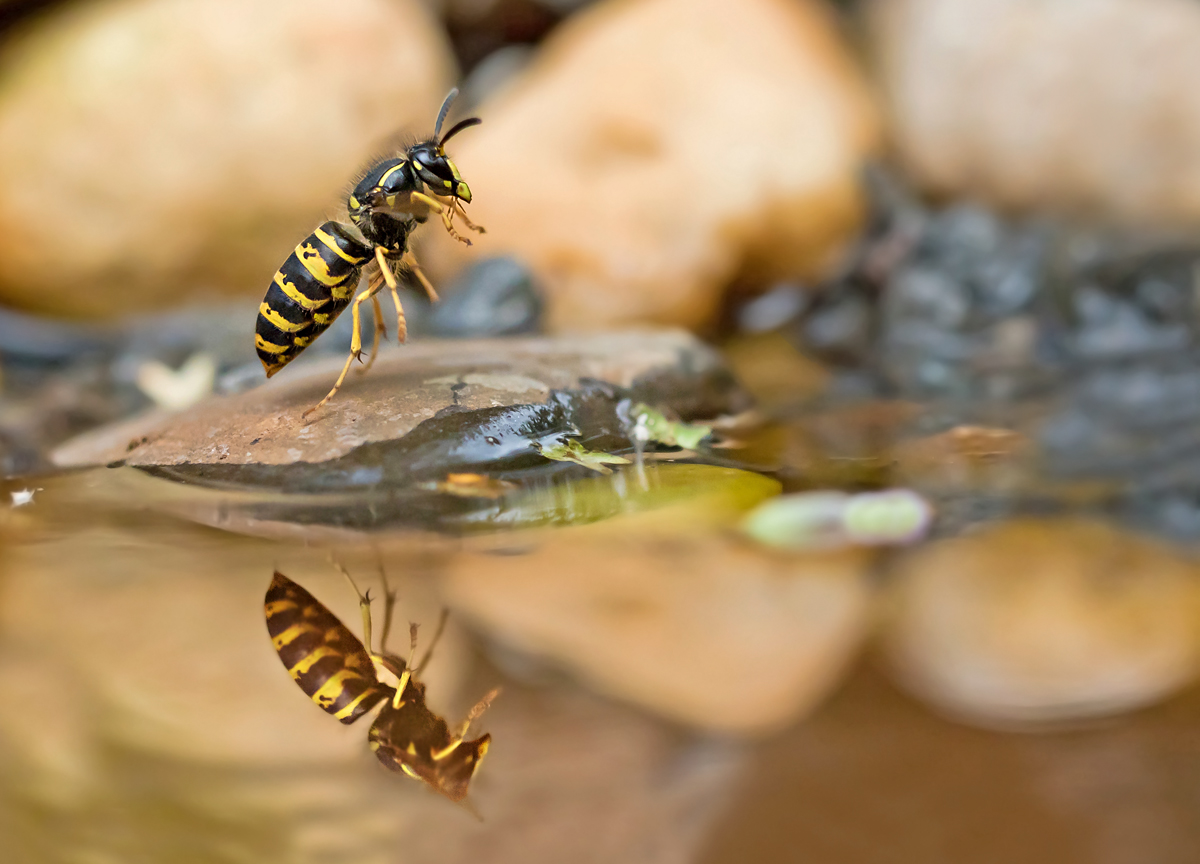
<point>318,280</point>
<point>347,679</point>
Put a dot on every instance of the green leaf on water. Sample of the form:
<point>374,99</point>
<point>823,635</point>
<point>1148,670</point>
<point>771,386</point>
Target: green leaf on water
<point>573,451</point>
<point>654,426</point>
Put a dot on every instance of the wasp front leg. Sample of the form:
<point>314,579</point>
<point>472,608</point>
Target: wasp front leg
<point>447,214</point>
<point>457,206</point>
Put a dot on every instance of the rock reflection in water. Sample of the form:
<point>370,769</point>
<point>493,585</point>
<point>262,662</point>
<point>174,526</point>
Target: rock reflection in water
<point>154,723</point>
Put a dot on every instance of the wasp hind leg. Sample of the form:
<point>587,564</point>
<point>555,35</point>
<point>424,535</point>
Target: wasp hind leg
<point>380,332</point>
<point>355,348</point>
<point>389,607</point>
<point>364,604</point>
<point>437,636</point>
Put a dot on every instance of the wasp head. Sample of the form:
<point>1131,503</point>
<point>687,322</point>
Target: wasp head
<point>433,167</point>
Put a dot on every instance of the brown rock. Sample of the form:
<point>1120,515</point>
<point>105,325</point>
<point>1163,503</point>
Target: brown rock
<point>1085,106</point>
<point>152,151</point>
<point>670,611</point>
<point>1032,621</point>
<point>656,151</point>
<point>406,387</point>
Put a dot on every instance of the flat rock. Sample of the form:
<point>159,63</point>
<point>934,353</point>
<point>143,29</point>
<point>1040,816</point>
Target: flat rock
<point>185,149</point>
<point>671,611</point>
<point>655,152</point>
<point>1033,622</point>
<point>408,387</point>
<point>1084,106</point>
<point>425,411</point>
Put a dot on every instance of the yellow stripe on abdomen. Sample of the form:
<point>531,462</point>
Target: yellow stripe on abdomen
<point>308,255</point>
<point>332,689</point>
<point>324,237</point>
<point>353,706</point>
<point>294,293</point>
<point>312,658</point>
<point>293,633</point>
<point>270,347</point>
<point>279,322</point>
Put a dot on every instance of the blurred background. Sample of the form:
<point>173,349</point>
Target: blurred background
<point>809,449</point>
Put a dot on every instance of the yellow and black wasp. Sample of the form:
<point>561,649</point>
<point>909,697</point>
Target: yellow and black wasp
<point>318,280</point>
<point>347,679</point>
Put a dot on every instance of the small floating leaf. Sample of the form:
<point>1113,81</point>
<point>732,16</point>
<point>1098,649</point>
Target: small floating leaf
<point>573,451</point>
<point>653,425</point>
<point>818,520</point>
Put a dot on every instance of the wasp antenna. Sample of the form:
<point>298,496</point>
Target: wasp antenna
<point>437,129</point>
<point>458,127</point>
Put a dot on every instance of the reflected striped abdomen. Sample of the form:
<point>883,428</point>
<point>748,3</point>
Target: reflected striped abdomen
<point>328,662</point>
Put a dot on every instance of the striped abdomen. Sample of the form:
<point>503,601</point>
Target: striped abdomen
<point>314,285</point>
<point>328,662</point>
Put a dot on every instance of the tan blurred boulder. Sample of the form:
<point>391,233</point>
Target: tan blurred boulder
<point>1040,621</point>
<point>156,150</point>
<point>1083,106</point>
<point>657,151</point>
<point>672,611</point>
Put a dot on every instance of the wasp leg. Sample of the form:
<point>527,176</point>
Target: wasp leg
<point>380,333</point>
<point>389,606</point>
<point>447,214</point>
<point>389,277</point>
<point>457,205</point>
<point>355,348</point>
<point>474,714</point>
<point>410,261</point>
<point>437,635</point>
<point>364,604</point>
<point>408,666</point>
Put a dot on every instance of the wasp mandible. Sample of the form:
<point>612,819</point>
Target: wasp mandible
<point>318,280</point>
